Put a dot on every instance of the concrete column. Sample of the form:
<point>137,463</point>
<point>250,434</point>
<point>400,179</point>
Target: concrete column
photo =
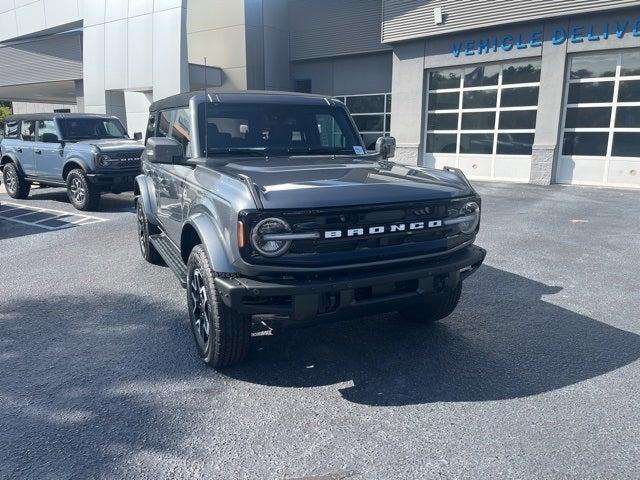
<point>79,86</point>
<point>93,59</point>
<point>407,87</point>
<point>552,77</point>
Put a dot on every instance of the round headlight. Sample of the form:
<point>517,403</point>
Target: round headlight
<point>472,211</point>
<point>270,247</point>
<point>104,160</point>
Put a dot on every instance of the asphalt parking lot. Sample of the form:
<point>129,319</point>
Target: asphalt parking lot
<point>536,375</point>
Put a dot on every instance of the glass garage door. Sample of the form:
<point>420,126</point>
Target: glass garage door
<point>482,118</point>
<point>601,123</point>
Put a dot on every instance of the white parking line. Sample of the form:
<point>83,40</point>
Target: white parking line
<point>79,220</point>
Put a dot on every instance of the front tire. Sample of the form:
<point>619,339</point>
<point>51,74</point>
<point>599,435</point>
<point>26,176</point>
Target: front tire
<point>15,184</point>
<point>433,308</point>
<point>81,193</point>
<point>148,251</point>
<point>222,335</point>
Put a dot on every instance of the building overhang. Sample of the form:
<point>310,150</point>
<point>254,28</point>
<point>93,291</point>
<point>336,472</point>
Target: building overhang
<point>47,92</point>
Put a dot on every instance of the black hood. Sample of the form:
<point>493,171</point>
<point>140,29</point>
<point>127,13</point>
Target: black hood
<point>316,182</point>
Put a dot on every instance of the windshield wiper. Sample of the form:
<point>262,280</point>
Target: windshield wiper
<point>320,150</point>
<point>259,152</point>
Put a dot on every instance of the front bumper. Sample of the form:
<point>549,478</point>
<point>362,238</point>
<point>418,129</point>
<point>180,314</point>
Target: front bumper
<point>114,181</point>
<point>333,298</point>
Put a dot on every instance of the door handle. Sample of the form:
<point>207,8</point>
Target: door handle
<point>163,181</point>
<point>19,150</point>
<point>37,151</point>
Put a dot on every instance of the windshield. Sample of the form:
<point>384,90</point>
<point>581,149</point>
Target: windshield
<point>272,129</point>
<point>74,129</point>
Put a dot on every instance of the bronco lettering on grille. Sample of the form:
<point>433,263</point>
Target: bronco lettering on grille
<point>377,230</point>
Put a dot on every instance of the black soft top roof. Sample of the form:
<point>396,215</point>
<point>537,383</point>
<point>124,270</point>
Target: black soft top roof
<point>51,116</point>
<point>250,96</point>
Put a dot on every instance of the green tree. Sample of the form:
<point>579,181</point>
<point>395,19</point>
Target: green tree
<point>5,110</point>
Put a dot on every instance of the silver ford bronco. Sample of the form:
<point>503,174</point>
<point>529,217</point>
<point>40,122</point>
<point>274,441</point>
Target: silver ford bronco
<point>267,206</point>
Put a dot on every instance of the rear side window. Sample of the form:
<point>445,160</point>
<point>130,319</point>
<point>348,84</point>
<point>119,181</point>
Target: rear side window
<point>28,131</point>
<point>176,124</point>
<point>12,130</point>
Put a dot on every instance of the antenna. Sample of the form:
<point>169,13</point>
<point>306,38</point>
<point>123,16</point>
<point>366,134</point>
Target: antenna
<point>206,111</point>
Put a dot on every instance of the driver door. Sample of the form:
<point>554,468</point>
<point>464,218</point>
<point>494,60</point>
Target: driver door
<point>169,179</point>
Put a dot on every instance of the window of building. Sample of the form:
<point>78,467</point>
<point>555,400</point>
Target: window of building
<point>487,109</point>
<point>28,131</point>
<point>602,111</point>
<point>176,124</point>
<point>372,115</point>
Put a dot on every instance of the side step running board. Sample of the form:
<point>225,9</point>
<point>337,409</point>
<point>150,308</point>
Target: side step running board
<point>171,256</point>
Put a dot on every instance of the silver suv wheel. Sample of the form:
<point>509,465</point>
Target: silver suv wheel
<point>11,181</point>
<point>77,190</point>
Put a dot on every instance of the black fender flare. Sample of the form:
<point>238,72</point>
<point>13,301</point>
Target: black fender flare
<point>13,159</point>
<point>213,242</point>
<point>144,189</point>
<point>76,160</point>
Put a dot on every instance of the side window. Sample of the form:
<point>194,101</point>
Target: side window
<point>112,129</point>
<point>28,131</point>
<point>47,131</point>
<point>12,129</point>
<point>151,128</point>
<point>176,124</point>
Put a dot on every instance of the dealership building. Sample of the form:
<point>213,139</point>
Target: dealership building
<point>544,91</point>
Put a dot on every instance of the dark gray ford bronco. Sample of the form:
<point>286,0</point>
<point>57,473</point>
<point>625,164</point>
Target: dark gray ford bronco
<point>87,154</point>
<point>267,204</point>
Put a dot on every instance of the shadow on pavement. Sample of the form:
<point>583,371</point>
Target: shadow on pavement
<point>87,383</point>
<point>110,202</point>
<point>13,230</point>
<point>504,341</point>
<point>90,382</point>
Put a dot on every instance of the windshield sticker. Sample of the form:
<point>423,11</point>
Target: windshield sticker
<point>358,150</point>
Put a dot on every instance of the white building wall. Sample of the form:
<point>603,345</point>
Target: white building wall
<point>134,51</point>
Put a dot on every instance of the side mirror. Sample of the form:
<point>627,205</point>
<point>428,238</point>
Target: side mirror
<point>164,150</point>
<point>137,136</point>
<point>50,138</point>
<point>386,147</point>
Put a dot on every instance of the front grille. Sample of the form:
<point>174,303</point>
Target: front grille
<point>362,248</point>
<point>127,159</point>
<point>366,217</point>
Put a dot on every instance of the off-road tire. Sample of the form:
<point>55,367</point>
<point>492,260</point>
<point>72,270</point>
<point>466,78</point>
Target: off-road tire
<point>433,308</point>
<point>82,194</point>
<point>15,184</point>
<point>148,251</point>
<point>226,339</point>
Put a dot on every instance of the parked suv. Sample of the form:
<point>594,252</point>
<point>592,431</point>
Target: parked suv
<point>268,204</point>
<point>88,154</point>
